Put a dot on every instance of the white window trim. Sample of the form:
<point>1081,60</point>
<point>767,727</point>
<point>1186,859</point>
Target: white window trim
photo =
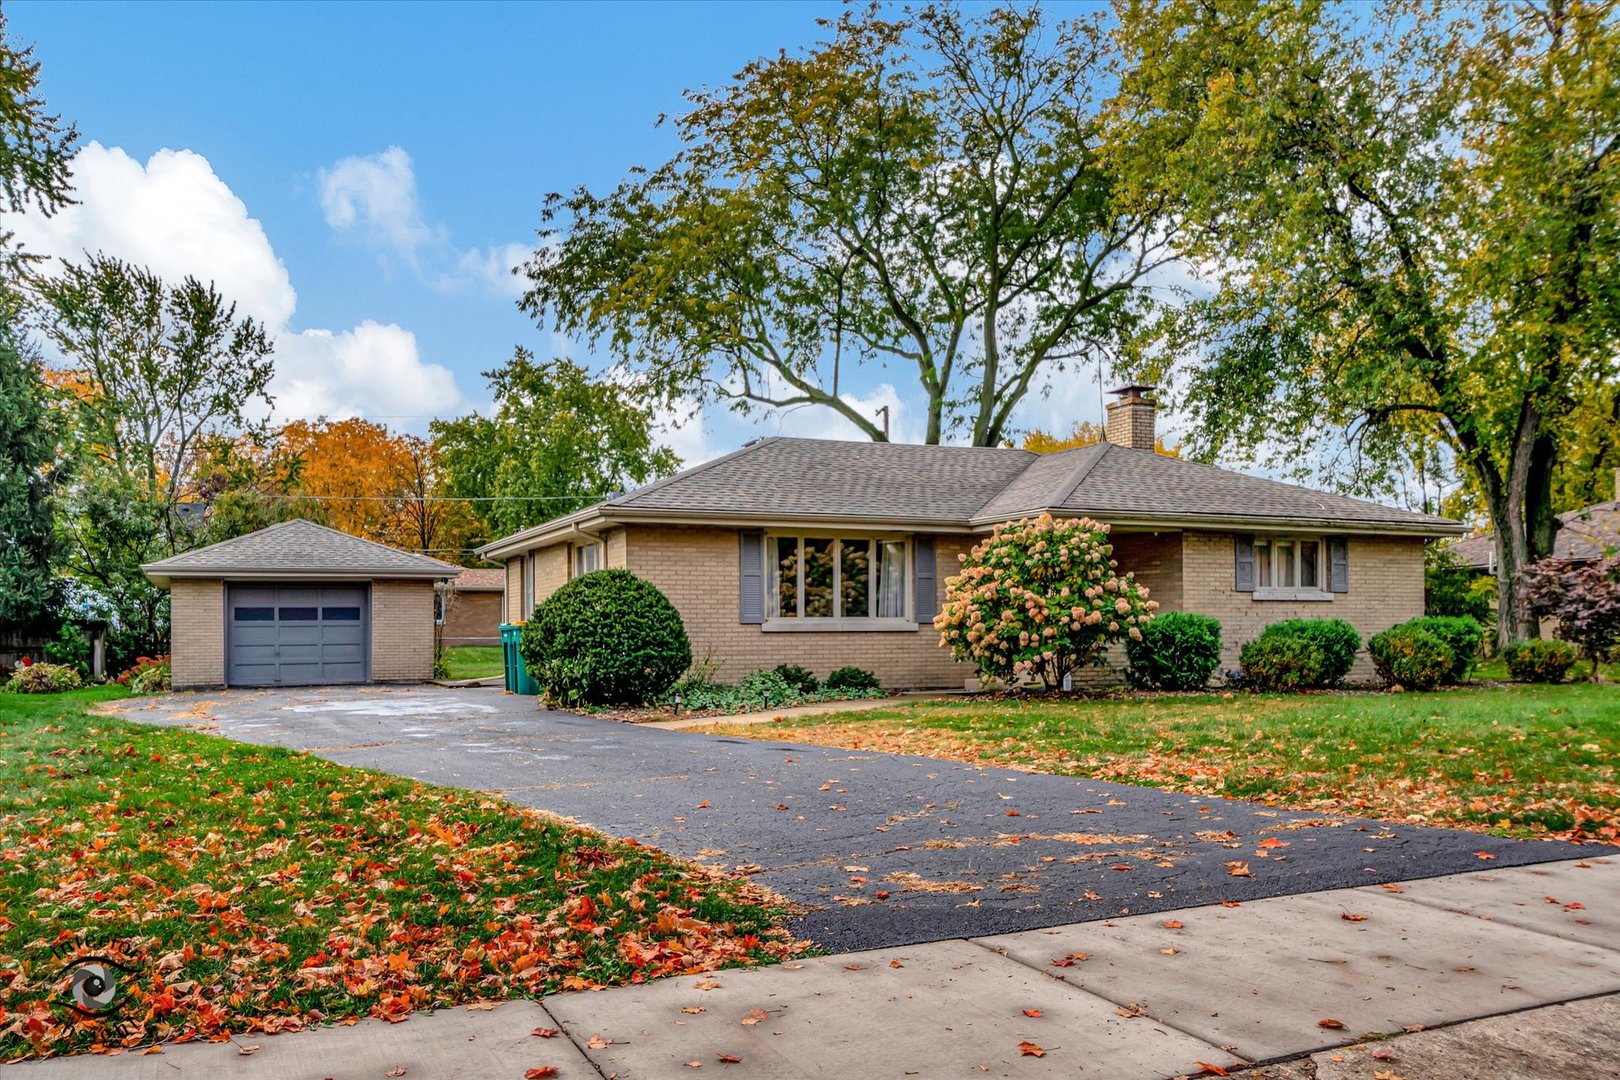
<point>1309,594</point>
<point>838,624</point>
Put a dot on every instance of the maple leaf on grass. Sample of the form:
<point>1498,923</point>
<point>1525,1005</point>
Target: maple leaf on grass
<point>275,890</point>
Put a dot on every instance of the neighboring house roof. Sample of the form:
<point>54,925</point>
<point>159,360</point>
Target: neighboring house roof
<point>481,580</point>
<point>966,489</point>
<point>1592,532</point>
<point>298,549</point>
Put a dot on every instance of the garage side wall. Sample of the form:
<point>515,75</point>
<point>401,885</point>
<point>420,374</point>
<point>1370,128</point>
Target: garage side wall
<point>401,631</point>
<point>197,637</point>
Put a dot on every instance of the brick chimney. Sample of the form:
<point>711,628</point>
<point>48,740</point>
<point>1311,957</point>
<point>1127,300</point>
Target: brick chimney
<point>1130,419</point>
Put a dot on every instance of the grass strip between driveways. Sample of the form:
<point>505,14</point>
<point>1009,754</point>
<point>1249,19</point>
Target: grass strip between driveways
<point>474,661</point>
<point>1513,760</point>
<point>237,888</point>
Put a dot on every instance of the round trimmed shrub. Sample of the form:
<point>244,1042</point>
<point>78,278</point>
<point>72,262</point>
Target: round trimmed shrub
<point>1461,633</point>
<point>1281,663</point>
<point>1329,658</point>
<point>1411,657</point>
<point>1539,660</point>
<point>1177,651</point>
<point>607,637</point>
<point>851,679</point>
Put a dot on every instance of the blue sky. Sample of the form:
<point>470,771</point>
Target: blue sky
<point>394,158</point>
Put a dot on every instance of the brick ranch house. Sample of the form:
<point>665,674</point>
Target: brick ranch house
<point>875,529</point>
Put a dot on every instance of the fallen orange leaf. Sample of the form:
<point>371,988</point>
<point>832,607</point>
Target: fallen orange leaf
<point>1036,1013</point>
<point>1029,1049</point>
<point>1331,1025</point>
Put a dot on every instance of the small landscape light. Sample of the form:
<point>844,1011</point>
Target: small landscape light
<point>677,703</point>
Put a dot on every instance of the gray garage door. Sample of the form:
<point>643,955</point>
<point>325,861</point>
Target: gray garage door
<point>296,635</point>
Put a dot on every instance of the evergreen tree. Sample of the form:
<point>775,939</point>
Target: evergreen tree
<point>30,593</point>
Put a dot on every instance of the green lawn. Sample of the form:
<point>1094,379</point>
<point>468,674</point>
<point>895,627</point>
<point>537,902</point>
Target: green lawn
<point>474,661</point>
<point>244,888</point>
<point>1519,760</point>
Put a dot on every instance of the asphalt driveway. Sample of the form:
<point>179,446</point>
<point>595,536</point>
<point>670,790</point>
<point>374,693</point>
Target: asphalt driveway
<point>879,849</point>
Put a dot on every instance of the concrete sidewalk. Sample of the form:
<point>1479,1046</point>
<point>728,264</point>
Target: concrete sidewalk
<point>1282,989</point>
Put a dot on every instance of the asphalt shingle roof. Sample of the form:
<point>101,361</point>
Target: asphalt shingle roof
<point>832,478</point>
<point>978,485</point>
<point>1591,532</point>
<point>299,548</point>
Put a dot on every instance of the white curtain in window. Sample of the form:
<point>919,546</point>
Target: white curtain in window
<point>892,580</point>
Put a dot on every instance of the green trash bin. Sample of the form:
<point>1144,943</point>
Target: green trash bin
<point>518,679</point>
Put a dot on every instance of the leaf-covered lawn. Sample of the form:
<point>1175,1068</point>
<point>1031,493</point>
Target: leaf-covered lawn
<point>1519,760</point>
<point>254,889</point>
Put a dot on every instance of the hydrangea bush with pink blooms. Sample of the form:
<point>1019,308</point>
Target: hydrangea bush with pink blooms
<point>1040,598</point>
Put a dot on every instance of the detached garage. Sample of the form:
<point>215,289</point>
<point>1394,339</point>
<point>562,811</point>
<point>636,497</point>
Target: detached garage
<point>299,604</point>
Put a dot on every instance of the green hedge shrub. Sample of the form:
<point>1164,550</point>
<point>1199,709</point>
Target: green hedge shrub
<point>42,679</point>
<point>1412,657</point>
<point>1177,651</point>
<point>852,678</point>
<point>1539,660</point>
<point>1281,664</point>
<point>798,677</point>
<point>606,637</point>
<point>1461,633</point>
<point>1300,654</point>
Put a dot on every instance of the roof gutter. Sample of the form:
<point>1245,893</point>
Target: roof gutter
<point>162,578</point>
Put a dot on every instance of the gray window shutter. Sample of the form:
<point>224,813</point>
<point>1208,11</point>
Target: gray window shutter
<point>751,578</point>
<point>924,586</point>
<point>1243,563</point>
<point>1338,564</point>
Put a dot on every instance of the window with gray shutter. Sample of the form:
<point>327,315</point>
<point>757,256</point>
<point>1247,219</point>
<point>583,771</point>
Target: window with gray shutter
<point>751,578</point>
<point>1243,563</point>
<point>1338,564</point>
<point>923,578</point>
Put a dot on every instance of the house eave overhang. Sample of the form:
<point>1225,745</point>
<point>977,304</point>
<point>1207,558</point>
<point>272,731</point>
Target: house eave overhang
<point>1434,527</point>
<point>604,516</point>
<point>162,577</point>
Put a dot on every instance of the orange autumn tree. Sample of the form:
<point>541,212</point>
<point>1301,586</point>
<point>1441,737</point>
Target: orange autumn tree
<point>1084,433</point>
<point>374,483</point>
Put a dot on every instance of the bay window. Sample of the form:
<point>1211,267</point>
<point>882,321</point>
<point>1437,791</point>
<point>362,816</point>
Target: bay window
<point>821,580</point>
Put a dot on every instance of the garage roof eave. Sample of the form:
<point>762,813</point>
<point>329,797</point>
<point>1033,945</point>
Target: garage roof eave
<point>163,577</point>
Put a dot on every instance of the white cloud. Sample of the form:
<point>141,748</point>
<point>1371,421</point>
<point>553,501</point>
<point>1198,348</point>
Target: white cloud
<point>374,197</point>
<point>172,215</point>
<point>177,217</point>
<point>492,267</point>
<point>372,370</point>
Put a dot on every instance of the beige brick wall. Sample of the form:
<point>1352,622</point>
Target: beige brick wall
<point>1155,559</point>
<point>471,618</point>
<point>514,590</point>
<point>1386,587</point>
<point>401,631</point>
<point>697,569</point>
<point>618,549</point>
<point>550,572</point>
<point>197,634</point>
